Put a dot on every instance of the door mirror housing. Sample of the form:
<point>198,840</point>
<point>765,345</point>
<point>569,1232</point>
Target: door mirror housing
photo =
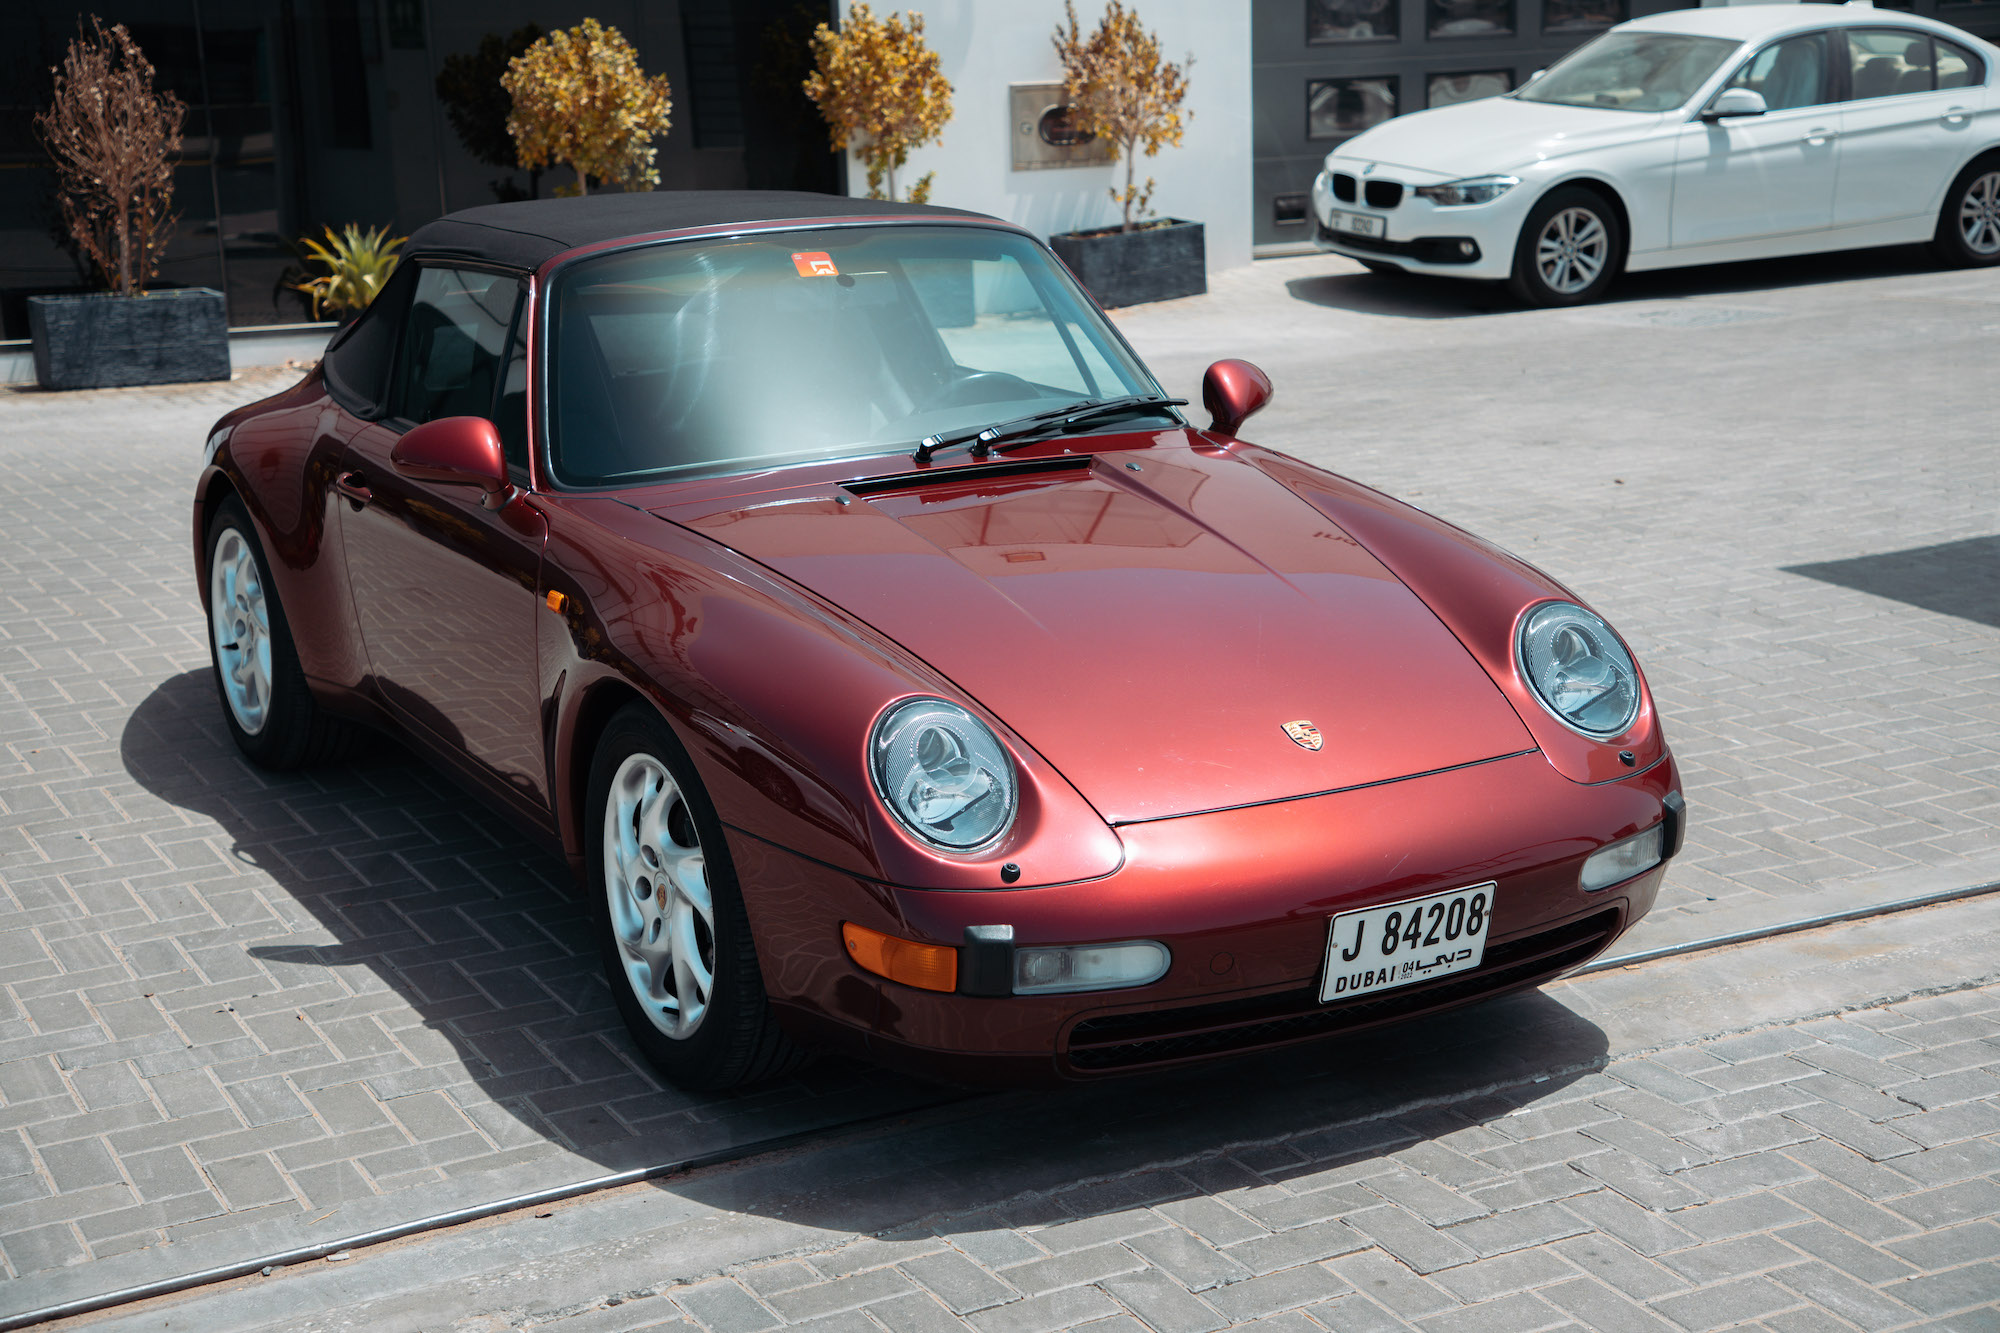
<point>1233,391</point>
<point>1735,102</point>
<point>456,451</point>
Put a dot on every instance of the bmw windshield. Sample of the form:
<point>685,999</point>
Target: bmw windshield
<point>1632,71</point>
<point>747,352</point>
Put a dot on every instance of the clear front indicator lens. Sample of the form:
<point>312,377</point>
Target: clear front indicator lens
<point>1622,860</point>
<point>1459,194</point>
<point>1089,967</point>
<point>943,773</point>
<point>1579,669</point>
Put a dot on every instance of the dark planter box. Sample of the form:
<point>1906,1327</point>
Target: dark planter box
<point>1133,267</point>
<point>100,341</point>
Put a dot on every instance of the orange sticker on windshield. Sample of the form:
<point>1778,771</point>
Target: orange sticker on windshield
<point>815,264</point>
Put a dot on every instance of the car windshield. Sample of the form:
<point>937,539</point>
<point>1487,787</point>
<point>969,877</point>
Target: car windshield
<point>1632,71</point>
<point>708,356</point>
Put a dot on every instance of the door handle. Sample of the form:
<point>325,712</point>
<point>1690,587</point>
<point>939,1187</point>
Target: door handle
<point>350,485</point>
<point>1816,137</point>
<point>1957,115</point>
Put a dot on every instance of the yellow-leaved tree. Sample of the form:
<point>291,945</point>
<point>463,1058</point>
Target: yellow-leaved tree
<point>1120,90</point>
<point>581,100</point>
<point>882,93</point>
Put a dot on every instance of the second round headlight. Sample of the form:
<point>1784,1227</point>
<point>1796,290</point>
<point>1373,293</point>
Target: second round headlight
<point>1579,669</point>
<point>943,773</point>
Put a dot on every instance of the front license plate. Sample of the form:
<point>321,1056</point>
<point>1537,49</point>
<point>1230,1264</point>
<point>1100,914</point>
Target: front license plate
<point>1357,224</point>
<point>1380,948</point>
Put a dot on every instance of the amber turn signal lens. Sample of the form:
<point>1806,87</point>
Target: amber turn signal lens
<point>925,966</point>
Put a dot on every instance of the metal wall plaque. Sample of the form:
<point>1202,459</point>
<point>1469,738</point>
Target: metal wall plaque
<point>1042,134</point>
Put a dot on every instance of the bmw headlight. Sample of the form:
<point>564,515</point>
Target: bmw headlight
<point>1579,669</point>
<point>943,773</point>
<point>1475,190</point>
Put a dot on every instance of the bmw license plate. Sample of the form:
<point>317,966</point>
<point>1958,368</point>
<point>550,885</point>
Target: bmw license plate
<point>1356,224</point>
<point>1380,948</point>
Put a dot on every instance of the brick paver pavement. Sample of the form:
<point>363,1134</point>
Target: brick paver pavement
<point>242,1006</point>
<point>1837,1174</point>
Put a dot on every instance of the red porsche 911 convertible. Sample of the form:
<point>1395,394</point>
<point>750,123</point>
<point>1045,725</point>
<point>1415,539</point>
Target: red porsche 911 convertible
<point>895,664</point>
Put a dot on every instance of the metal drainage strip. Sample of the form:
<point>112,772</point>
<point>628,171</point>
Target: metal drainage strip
<point>557,1193</point>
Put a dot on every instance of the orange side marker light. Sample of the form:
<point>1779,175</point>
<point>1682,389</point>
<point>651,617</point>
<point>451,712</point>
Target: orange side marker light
<point>556,601</point>
<point>925,966</point>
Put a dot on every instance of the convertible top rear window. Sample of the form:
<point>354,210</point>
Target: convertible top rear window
<point>1632,71</point>
<point>825,342</point>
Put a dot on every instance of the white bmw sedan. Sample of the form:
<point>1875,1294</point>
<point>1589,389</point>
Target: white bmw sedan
<point>1693,137</point>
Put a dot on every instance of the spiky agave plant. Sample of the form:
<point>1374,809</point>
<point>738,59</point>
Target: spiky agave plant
<point>357,263</point>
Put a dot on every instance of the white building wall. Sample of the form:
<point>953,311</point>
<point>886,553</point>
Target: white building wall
<point>985,45</point>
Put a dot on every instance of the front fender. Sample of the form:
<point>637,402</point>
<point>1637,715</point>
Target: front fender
<point>772,692</point>
<point>1480,592</point>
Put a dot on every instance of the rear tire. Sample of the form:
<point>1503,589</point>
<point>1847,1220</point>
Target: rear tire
<point>669,918</point>
<point>1968,229</point>
<point>1570,249</point>
<point>269,709</point>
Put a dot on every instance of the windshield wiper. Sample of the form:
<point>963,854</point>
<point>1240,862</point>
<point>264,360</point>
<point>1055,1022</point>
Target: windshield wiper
<point>983,439</point>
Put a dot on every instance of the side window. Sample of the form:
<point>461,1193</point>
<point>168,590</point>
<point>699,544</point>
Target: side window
<point>1788,74</point>
<point>510,411</point>
<point>1888,63</point>
<point>452,340</point>
<point>1956,66</point>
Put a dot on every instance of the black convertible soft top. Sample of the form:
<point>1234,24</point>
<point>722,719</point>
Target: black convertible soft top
<point>524,235</point>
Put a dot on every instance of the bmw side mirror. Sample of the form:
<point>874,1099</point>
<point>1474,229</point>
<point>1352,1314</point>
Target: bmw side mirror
<point>456,451</point>
<point>1233,391</point>
<point>1735,102</point>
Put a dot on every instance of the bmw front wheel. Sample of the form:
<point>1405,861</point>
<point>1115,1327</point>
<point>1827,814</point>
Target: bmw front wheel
<point>1570,249</point>
<point>670,922</point>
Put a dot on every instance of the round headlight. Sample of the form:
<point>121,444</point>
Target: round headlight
<point>1579,669</point>
<point>943,773</point>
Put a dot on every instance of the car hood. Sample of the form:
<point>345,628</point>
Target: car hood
<point>1493,134</point>
<point>1148,620</point>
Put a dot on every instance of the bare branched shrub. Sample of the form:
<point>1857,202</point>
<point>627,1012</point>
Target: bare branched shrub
<point>114,141</point>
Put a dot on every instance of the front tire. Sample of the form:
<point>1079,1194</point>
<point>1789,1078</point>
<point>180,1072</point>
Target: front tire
<point>1968,229</point>
<point>670,922</point>
<point>1570,249</point>
<point>269,709</point>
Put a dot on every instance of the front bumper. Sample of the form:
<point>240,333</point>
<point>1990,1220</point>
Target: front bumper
<point>1421,237</point>
<point>1241,897</point>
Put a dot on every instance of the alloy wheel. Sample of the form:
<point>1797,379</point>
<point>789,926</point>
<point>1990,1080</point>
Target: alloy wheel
<point>240,620</point>
<point>1979,215</point>
<point>1572,250</point>
<point>656,886</point>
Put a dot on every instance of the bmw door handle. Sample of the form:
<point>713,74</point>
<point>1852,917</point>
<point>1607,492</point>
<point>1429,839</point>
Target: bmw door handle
<point>1957,116</point>
<point>350,485</point>
<point>1819,137</point>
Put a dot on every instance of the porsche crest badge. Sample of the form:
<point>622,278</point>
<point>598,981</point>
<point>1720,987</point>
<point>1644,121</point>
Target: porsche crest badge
<point>1305,733</point>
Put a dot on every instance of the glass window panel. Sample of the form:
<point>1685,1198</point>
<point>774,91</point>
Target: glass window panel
<point>1582,15</point>
<point>1889,63</point>
<point>1632,71</point>
<point>510,409</point>
<point>1451,89</point>
<point>1341,108</point>
<point>1351,20</point>
<point>1787,74</point>
<point>829,343</point>
<point>452,338</point>
<point>1958,67</point>
<point>1470,18</point>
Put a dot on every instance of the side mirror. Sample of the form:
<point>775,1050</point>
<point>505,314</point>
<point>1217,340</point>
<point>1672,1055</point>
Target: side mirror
<point>1233,391</point>
<point>1735,102</point>
<point>457,451</point>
